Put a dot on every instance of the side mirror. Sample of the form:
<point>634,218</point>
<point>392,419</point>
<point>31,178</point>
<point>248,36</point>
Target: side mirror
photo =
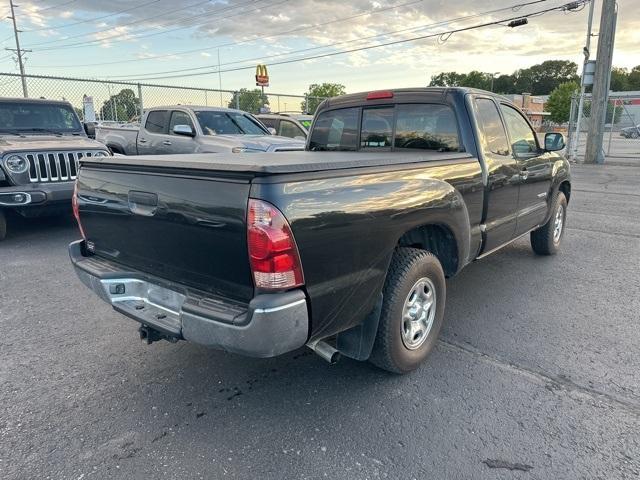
<point>272,130</point>
<point>90,129</point>
<point>553,142</point>
<point>185,130</point>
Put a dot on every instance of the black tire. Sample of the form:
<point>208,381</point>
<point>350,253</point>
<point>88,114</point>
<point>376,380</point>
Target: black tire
<point>543,240</point>
<point>408,266</point>
<point>635,135</point>
<point>3,225</point>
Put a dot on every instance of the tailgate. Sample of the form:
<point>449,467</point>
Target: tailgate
<point>180,226</point>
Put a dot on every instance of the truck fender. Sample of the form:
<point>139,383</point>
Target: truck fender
<point>453,216</point>
<point>560,174</point>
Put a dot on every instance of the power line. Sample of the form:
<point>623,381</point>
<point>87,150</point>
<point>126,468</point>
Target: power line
<point>243,42</point>
<point>370,37</point>
<point>386,44</point>
<point>79,22</point>
<point>136,22</point>
<point>164,32</point>
<point>63,4</point>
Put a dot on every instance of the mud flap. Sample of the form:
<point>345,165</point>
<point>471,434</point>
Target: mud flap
<point>357,342</point>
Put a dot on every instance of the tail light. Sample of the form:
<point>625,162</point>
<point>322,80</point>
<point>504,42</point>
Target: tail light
<point>76,211</point>
<point>273,253</point>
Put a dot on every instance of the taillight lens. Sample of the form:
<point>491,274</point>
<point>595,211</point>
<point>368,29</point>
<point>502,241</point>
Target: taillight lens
<point>76,211</point>
<point>273,253</point>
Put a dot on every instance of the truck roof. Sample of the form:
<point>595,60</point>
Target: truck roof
<point>277,162</point>
<point>414,94</point>
<point>32,100</point>
<point>196,107</point>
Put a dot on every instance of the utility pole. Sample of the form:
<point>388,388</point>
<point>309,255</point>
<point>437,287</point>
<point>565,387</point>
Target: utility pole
<point>587,53</point>
<point>220,79</point>
<point>493,75</point>
<point>599,97</point>
<point>18,51</point>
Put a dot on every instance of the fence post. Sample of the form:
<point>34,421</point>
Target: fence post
<point>237,96</point>
<point>613,121</point>
<point>140,101</point>
<point>570,126</point>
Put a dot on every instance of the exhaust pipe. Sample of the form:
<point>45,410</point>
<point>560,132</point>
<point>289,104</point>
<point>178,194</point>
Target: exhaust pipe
<point>325,351</point>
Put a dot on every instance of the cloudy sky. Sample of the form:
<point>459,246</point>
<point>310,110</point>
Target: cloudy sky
<point>178,41</point>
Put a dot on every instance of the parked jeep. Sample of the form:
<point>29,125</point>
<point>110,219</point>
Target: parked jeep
<point>41,142</point>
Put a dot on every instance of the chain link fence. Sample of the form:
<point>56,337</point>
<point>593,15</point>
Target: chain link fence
<point>125,101</point>
<point>622,126</point>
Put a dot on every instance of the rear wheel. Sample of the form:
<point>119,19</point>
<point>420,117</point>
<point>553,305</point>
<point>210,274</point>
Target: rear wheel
<point>546,240</point>
<point>3,225</point>
<point>412,311</point>
<point>635,135</point>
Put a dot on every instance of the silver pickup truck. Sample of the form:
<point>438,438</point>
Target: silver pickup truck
<point>190,129</point>
<point>41,143</point>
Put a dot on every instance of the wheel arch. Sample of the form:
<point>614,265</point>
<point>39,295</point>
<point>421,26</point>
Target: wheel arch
<point>565,187</point>
<point>437,238</point>
<point>115,148</point>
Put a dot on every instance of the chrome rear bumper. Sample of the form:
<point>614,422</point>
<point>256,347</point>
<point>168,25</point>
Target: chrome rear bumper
<point>270,325</point>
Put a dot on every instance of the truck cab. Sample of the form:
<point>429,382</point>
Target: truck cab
<point>183,129</point>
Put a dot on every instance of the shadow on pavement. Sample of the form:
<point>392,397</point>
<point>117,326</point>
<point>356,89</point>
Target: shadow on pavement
<point>20,228</point>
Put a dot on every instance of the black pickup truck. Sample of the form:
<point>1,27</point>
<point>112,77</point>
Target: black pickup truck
<point>344,247</point>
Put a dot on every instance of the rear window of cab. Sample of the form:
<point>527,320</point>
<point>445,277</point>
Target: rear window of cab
<point>415,126</point>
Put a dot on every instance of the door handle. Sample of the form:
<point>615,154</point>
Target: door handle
<point>142,140</point>
<point>166,142</point>
<point>524,174</point>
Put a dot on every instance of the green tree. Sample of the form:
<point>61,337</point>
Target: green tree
<point>559,103</point>
<point>504,84</point>
<point>543,78</point>
<point>538,79</point>
<point>249,100</point>
<point>447,79</point>
<point>633,80</point>
<point>609,114</point>
<point>123,106</point>
<point>318,92</point>
<point>619,79</point>
<point>476,79</point>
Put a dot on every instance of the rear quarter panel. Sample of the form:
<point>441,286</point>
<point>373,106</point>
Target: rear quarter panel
<point>347,226</point>
<point>122,139</point>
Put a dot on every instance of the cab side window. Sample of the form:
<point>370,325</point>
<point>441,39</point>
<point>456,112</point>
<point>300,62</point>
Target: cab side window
<point>180,118</point>
<point>290,129</point>
<point>269,122</point>
<point>336,130</point>
<point>523,138</point>
<point>157,121</point>
<point>493,135</point>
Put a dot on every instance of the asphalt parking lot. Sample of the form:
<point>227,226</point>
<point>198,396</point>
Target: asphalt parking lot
<point>535,377</point>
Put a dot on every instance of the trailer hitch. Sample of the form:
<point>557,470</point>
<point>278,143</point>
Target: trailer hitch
<point>149,335</point>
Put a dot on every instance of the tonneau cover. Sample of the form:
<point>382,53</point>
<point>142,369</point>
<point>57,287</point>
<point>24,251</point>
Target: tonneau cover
<point>277,163</point>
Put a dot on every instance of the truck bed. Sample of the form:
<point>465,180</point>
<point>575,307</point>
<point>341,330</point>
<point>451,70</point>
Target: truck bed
<point>278,163</point>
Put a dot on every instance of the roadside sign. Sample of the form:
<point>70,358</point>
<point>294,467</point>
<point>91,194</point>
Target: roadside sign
<point>262,76</point>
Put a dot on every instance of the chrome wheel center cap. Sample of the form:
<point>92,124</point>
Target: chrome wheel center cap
<point>419,312</point>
